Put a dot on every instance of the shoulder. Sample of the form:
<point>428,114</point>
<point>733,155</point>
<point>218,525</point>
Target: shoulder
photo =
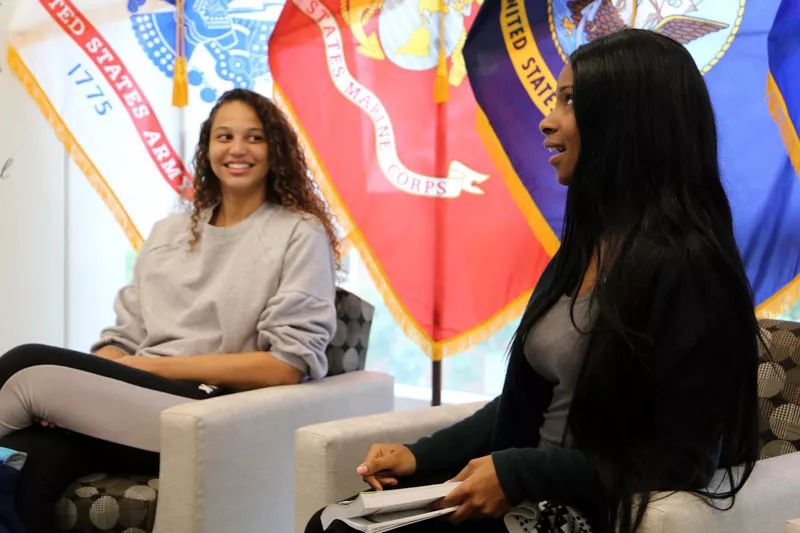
<point>293,226</point>
<point>682,264</point>
<point>174,222</point>
<point>704,272</point>
<point>170,230</point>
<point>699,287</point>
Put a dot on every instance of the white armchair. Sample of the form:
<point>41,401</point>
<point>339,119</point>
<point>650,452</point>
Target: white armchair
<point>326,456</point>
<point>227,462</point>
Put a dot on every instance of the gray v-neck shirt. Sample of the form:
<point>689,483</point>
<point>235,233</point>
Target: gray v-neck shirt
<point>556,350</point>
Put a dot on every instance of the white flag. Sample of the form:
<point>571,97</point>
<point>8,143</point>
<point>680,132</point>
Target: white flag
<point>101,72</point>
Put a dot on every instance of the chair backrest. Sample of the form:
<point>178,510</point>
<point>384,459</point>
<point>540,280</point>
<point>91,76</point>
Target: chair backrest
<point>779,388</point>
<point>347,350</point>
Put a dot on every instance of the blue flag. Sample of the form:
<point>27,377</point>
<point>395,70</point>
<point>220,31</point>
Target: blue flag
<point>516,49</point>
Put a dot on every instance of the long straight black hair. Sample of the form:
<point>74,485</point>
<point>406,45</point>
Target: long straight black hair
<point>646,190</point>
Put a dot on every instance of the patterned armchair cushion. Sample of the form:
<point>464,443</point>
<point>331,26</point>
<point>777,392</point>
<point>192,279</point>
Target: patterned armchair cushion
<point>779,389</point>
<point>347,350</point>
<point>117,504</point>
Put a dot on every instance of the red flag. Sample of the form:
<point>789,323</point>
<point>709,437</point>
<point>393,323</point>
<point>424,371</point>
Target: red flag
<point>445,227</point>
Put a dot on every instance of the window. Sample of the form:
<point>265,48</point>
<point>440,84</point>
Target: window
<point>474,374</point>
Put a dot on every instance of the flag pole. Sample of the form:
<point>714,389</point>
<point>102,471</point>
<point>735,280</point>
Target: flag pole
<point>180,80</point>
<point>441,95</point>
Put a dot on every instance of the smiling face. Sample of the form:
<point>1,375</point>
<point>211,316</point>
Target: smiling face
<point>561,130</point>
<point>238,150</point>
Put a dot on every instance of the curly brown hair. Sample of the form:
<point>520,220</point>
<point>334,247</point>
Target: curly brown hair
<point>288,182</point>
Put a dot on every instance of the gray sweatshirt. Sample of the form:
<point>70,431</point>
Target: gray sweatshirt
<point>265,284</point>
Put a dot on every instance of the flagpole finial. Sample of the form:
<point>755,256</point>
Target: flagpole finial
<point>180,77</point>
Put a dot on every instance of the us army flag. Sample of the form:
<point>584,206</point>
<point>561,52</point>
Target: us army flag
<point>101,73</point>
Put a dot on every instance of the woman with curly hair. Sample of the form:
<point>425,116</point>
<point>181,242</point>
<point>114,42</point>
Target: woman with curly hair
<point>236,295</point>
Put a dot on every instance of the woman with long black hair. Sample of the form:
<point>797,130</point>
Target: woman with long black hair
<point>633,369</point>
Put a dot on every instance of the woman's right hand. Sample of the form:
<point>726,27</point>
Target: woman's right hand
<point>384,463</point>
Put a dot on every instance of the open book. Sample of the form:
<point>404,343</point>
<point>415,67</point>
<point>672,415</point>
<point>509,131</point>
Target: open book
<point>375,512</point>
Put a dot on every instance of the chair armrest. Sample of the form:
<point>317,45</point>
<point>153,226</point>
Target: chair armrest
<point>769,498</point>
<point>326,455</point>
<point>227,462</point>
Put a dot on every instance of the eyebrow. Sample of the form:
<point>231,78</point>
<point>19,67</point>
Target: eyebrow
<point>260,130</point>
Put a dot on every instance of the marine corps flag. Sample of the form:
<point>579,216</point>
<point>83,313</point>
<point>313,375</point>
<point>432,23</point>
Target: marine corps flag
<point>516,49</point>
<point>378,89</point>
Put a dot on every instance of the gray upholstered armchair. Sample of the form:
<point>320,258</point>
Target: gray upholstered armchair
<point>327,453</point>
<point>227,463</point>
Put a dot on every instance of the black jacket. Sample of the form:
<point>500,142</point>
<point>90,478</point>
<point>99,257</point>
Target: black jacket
<point>669,415</point>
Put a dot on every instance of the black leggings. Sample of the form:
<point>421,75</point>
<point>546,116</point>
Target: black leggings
<point>107,418</point>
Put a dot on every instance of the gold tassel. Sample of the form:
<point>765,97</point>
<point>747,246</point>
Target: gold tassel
<point>180,84</point>
<point>441,87</point>
<point>180,78</point>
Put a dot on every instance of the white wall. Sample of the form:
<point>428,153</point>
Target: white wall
<point>62,255</point>
<point>96,262</point>
<point>31,215</point>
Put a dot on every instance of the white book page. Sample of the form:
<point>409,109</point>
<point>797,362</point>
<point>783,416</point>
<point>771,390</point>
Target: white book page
<point>387,521</point>
<point>403,499</point>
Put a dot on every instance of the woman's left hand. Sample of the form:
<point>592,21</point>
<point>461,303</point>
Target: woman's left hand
<point>479,495</point>
<point>148,364</point>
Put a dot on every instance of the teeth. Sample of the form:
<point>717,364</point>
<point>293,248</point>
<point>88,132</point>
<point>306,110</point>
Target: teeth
<point>554,149</point>
<point>238,165</point>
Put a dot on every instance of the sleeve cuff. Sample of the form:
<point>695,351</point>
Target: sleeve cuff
<point>293,360</point>
<point>103,343</point>
<point>511,483</point>
<point>421,450</point>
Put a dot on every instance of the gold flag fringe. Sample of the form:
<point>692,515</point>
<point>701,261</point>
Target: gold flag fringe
<point>779,111</point>
<point>73,148</point>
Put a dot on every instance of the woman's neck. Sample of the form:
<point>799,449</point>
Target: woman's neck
<point>590,277</point>
<point>233,210</point>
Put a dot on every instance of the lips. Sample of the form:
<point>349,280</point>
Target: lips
<point>238,169</point>
<point>555,147</point>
